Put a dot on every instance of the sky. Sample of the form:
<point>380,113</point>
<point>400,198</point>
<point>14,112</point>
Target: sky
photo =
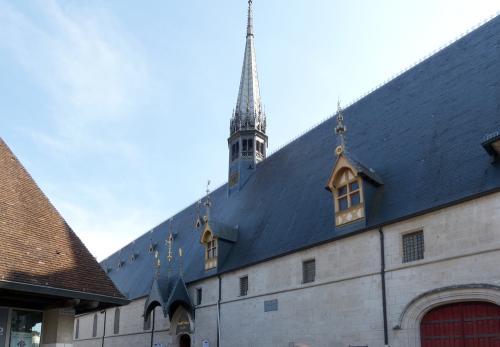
<point>120,109</point>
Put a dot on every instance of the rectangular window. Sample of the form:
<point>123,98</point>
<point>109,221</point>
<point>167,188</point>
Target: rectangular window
<point>199,295</point>
<point>309,271</point>
<point>94,326</point>
<point>247,149</point>
<point>212,249</point>
<point>355,199</point>
<point>147,323</point>
<point>244,286</point>
<point>235,151</point>
<point>343,205</point>
<point>77,329</point>
<point>25,328</point>
<point>116,326</point>
<point>413,246</point>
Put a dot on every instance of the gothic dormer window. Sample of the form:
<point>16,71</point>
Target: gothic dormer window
<point>347,188</point>
<point>209,240</point>
<point>349,181</point>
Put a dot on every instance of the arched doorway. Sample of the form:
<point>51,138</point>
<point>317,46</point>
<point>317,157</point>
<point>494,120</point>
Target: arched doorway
<point>185,341</point>
<point>463,324</point>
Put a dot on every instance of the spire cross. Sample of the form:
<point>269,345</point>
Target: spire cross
<point>340,129</point>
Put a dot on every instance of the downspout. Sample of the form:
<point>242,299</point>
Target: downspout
<point>103,330</point>
<point>153,327</point>
<point>384,294</point>
<point>218,312</point>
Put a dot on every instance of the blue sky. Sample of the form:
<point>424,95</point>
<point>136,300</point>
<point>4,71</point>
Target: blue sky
<point>120,109</point>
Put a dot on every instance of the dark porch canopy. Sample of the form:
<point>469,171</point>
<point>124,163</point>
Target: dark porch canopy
<point>169,292</point>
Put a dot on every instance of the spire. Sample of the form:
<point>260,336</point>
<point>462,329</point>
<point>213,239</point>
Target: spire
<point>249,113</point>
<point>250,19</point>
<point>340,130</point>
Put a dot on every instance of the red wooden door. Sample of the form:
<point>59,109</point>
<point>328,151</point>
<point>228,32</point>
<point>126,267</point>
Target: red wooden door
<point>465,324</point>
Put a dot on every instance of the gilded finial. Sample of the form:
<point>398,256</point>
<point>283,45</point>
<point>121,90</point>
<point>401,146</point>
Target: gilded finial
<point>157,263</point>
<point>170,242</point>
<point>207,202</point>
<point>340,130</point>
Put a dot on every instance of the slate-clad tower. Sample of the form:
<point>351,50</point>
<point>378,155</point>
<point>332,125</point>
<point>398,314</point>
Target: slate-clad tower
<point>247,141</point>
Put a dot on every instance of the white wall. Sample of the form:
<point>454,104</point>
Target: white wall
<point>344,304</point>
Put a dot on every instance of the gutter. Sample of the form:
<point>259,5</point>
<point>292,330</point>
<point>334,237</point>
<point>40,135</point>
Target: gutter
<point>152,327</point>
<point>218,311</point>
<point>103,330</point>
<point>382,279</point>
<point>60,292</point>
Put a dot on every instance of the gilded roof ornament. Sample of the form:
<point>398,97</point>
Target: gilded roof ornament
<point>340,130</point>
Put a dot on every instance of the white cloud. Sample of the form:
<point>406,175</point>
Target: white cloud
<point>92,71</point>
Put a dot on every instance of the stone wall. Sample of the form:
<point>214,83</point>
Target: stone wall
<point>343,306</point>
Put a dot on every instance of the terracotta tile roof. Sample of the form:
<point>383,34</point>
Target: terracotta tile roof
<point>37,245</point>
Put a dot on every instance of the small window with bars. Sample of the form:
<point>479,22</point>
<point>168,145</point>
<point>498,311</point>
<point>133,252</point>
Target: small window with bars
<point>413,246</point>
<point>309,271</point>
<point>199,296</point>
<point>243,286</point>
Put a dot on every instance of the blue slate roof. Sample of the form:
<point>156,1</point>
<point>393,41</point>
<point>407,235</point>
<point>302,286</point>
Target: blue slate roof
<point>421,133</point>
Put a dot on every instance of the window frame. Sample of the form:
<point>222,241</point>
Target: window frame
<point>244,285</point>
<point>211,249</point>
<point>116,322</point>
<point>349,193</point>
<point>199,296</point>
<point>147,322</point>
<point>306,275</point>
<point>77,329</point>
<point>94,325</point>
<point>418,251</point>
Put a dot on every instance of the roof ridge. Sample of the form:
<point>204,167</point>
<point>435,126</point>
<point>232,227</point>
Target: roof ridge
<point>324,120</point>
<point>387,81</point>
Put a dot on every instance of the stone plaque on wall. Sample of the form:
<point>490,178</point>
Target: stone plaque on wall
<point>4,316</point>
<point>271,305</point>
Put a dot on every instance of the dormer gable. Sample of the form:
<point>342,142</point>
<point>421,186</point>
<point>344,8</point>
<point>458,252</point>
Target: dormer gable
<point>348,180</point>
<point>217,240</point>
<point>209,241</point>
<point>346,186</point>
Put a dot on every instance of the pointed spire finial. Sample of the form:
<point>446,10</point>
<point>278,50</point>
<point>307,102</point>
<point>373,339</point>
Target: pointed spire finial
<point>208,203</point>
<point>157,264</point>
<point>250,19</point>
<point>181,267</point>
<point>170,242</point>
<point>340,129</point>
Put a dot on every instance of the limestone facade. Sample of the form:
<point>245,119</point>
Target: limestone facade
<point>344,305</point>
